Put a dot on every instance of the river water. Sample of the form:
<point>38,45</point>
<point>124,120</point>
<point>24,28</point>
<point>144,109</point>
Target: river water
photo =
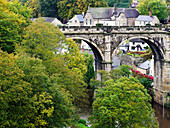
<point>163,115</point>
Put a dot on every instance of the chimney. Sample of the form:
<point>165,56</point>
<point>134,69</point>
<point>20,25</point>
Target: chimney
<point>150,13</point>
<point>115,7</point>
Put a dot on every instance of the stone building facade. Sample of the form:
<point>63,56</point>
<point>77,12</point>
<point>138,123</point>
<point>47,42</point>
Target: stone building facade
<point>110,16</point>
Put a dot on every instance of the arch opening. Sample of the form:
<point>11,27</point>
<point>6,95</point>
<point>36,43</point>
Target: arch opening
<point>96,51</point>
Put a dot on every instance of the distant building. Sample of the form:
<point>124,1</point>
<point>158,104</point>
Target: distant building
<point>110,16</point>
<point>77,20</point>
<point>142,20</point>
<point>136,45</point>
<point>51,20</point>
<point>135,3</point>
<point>147,67</point>
<point>84,45</point>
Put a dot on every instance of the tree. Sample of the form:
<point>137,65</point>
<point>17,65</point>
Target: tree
<point>41,39</point>
<point>168,7</point>
<point>15,103</point>
<point>123,70</point>
<point>120,3</point>
<point>90,74</point>
<point>52,106</point>
<point>14,18</point>
<point>124,103</point>
<point>34,5</point>
<point>49,8</point>
<point>158,8</point>
<point>68,8</point>
<point>74,59</point>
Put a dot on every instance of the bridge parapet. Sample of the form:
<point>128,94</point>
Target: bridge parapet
<point>114,29</point>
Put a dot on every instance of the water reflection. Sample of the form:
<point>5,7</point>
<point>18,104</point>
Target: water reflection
<point>163,115</point>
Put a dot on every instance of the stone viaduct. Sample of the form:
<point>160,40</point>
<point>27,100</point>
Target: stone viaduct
<point>103,40</point>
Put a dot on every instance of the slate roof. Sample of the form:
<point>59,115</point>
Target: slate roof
<point>80,18</point>
<point>145,18</point>
<point>145,65</point>
<point>48,19</point>
<point>104,13</point>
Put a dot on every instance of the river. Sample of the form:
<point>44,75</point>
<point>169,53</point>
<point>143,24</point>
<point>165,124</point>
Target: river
<point>163,115</point>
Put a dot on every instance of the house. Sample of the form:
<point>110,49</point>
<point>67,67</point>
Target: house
<point>147,67</point>
<point>135,3</point>
<point>77,20</point>
<point>110,16</point>
<point>51,20</point>
<point>142,20</point>
<point>134,45</point>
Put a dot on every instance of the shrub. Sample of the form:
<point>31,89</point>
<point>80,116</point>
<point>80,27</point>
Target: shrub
<point>82,121</point>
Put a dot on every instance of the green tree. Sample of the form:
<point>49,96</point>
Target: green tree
<point>34,5</point>
<point>15,102</point>
<point>68,8</point>
<point>90,74</point>
<point>124,103</point>
<point>120,3</point>
<point>158,8</point>
<point>126,70</point>
<point>49,8</point>
<point>74,59</point>
<point>168,7</point>
<point>52,105</point>
<point>41,39</point>
<point>14,18</point>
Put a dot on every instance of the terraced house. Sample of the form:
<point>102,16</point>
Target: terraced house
<point>110,16</point>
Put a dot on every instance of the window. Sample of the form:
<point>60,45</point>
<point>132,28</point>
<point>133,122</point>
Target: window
<point>133,47</point>
<point>90,21</point>
<point>133,43</point>
<point>143,42</point>
<point>75,21</point>
<point>86,21</point>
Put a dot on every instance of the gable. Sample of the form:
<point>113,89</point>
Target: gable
<point>108,12</point>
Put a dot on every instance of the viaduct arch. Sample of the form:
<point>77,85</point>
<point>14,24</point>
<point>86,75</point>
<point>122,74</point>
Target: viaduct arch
<point>103,41</point>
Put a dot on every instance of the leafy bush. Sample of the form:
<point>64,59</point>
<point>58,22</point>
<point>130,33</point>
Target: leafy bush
<point>82,121</point>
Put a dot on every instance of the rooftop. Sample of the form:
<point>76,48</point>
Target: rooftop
<point>108,12</point>
<point>145,18</point>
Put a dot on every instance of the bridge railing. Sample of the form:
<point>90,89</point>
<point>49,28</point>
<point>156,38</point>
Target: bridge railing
<point>109,29</point>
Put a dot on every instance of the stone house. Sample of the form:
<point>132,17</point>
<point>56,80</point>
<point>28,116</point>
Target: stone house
<point>142,20</point>
<point>110,16</point>
<point>77,20</point>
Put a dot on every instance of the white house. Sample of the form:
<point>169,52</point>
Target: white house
<point>142,20</point>
<point>147,67</point>
<point>77,20</point>
<point>137,45</point>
